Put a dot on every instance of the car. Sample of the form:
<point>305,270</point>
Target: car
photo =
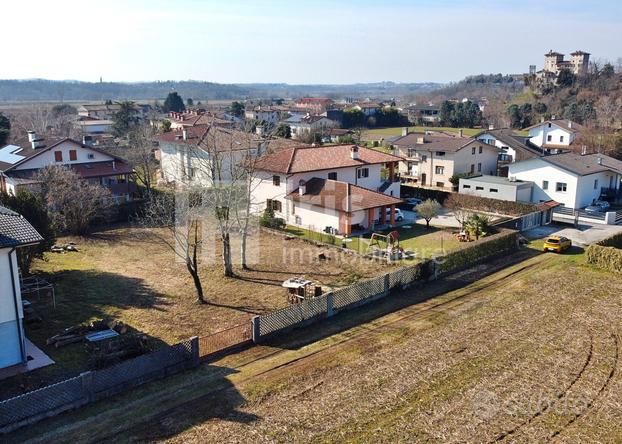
<point>410,203</point>
<point>602,204</point>
<point>399,216</point>
<point>557,244</point>
<point>593,209</point>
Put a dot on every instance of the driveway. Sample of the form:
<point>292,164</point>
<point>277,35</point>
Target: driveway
<point>584,235</point>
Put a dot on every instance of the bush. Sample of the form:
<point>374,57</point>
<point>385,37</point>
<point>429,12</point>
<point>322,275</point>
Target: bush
<point>424,193</point>
<point>474,252</point>
<point>269,221</point>
<point>607,258</point>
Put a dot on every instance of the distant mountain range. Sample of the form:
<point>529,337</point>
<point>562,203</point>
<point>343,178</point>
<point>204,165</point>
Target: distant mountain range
<point>69,90</point>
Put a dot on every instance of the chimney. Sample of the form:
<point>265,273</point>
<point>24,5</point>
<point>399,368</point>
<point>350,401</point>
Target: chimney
<point>184,134</point>
<point>570,124</point>
<point>491,126</point>
<point>405,131</point>
<point>420,140</point>
<point>583,150</point>
<point>600,160</point>
<point>302,187</point>
<point>259,129</point>
<point>32,136</point>
<point>542,119</point>
<point>354,152</point>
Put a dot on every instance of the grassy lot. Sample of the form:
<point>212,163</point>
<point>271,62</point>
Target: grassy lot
<point>117,275</point>
<point>398,131</point>
<point>528,353</point>
<point>426,243</point>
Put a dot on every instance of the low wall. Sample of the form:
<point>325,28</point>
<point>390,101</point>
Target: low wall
<point>606,254</point>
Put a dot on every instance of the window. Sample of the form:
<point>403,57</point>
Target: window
<point>298,220</point>
<point>479,167</point>
<point>560,187</point>
<point>561,138</point>
<point>595,184</point>
<point>424,158</point>
<point>58,156</point>
<point>73,155</point>
<point>332,176</point>
<point>440,153</point>
<point>480,150</point>
<point>439,169</point>
<point>549,125</point>
<point>440,184</point>
<point>494,190</point>
<point>193,172</point>
<point>472,168</point>
<point>545,184</point>
<point>473,150</point>
<point>549,138</point>
<point>274,204</point>
<point>276,181</point>
<point>362,172</point>
<point>91,156</point>
<point>479,188</point>
<point>466,186</point>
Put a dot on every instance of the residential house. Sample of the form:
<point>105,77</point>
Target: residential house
<point>339,189</point>
<point>512,147</point>
<point>262,113</point>
<point>572,179</point>
<point>495,187</point>
<point>95,126</point>
<point>20,162</point>
<point>201,154</point>
<point>303,126</point>
<point>424,114</point>
<point>367,108</point>
<point>15,233</point>
<point>198,117</point>
<point>554,135</point>
<point>313,105</point>
<point>335,135</point>
<point>432,158</point>
<point>106,111</point>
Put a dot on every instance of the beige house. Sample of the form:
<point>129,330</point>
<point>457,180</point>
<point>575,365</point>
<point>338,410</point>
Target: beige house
<point>432,158</point>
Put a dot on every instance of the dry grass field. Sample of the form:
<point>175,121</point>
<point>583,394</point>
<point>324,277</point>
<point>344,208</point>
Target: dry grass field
<point>522,353</point>
<point>118,275</point>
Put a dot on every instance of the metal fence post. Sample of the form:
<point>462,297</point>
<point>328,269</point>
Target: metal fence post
<point>329,305</point>
<point>86,378</point>
<point>255,329</point>
<point>386,285</point>
<point>194,351</point>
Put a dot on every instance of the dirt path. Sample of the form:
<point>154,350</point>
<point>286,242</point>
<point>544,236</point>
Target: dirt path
<point>461,366</point>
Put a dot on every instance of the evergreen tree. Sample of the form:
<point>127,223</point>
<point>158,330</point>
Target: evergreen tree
<point>5,129</point>
<point>174,103</point>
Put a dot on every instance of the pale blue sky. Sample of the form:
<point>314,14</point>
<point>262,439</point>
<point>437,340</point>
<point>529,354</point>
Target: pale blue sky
<point>319,41</point>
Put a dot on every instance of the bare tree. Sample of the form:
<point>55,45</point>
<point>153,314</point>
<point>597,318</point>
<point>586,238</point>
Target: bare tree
<point>176,222</point>
<point>139,152</point>
<point>455,204</point>
<point>73,203</point>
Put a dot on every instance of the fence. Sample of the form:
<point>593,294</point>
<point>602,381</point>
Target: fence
<point>222,341</point>
<point>48,401</point>
<point>363,292</point>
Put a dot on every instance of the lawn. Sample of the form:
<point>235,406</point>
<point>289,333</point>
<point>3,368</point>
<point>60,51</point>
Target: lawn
<point>118,275</point>
<point>424,242</point>
<point>398,131</point>
<point>524,351</point>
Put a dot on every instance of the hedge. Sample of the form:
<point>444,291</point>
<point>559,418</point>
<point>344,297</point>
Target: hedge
<point>607,258</point>
<point>423,193</point>
<point>474,252</point>
<point>606,254</point>
<point>489,205</point>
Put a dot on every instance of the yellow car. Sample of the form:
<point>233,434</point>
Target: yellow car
<point>557,244</point>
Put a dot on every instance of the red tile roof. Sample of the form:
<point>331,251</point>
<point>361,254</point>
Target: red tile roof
<point>341,196</point>
<point>297,160</point>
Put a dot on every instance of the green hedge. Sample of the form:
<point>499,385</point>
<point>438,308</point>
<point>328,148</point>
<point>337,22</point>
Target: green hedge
<point>488,205</point>
<point>607,258</point>
<point>423,193</point>
<point>474,252</point>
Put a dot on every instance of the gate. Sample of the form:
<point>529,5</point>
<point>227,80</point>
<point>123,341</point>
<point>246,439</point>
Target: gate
<point>225,339</point>
<point>531,220</point>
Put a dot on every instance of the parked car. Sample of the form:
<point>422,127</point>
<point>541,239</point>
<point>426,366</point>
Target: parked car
<point>602,204</point>
<point>399,216</point>
<point>410,203</point>
<point>593,209</point>
<point>557,244</point>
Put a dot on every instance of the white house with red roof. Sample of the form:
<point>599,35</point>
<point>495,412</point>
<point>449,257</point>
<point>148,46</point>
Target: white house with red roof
<point>338,189</point>
<point>19,164</point>
<point>554,135</point>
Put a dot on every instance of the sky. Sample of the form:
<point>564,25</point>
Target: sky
<point>298,41</point>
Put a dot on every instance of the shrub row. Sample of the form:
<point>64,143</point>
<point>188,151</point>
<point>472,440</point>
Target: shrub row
<point>472,253</point>
<point>612,241</point>
<point>423,193</point>
<point>607,258</point>
<point>488,205</point>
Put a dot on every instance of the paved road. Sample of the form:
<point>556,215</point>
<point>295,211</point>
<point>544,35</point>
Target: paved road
<point>584,235</point>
